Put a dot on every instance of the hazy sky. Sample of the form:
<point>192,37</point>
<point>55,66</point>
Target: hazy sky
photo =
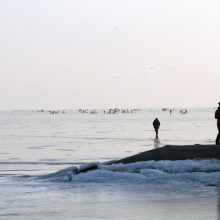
<point>109,53</point>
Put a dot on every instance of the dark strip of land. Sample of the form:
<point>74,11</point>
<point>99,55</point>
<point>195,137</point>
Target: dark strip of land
<point>168,152</point>
<point>176,152</point>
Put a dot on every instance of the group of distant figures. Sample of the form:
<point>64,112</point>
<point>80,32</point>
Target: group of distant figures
<point>56,112</point>
<point>117,110</point>
<point>182,111</point>
<point>156,124</point>
<point>109,111</point>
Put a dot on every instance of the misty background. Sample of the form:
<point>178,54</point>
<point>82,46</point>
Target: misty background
<point>118,53</point>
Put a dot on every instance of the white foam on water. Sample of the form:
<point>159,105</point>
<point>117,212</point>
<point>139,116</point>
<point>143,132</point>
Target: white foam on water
<point>203,172</point>
<point>178,166</point>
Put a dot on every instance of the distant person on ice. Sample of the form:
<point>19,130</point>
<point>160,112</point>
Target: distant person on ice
<point>217,116</point>
<point>156,124</point>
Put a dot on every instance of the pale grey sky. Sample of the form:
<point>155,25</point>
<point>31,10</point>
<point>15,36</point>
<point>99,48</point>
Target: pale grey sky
<point>109,53</point>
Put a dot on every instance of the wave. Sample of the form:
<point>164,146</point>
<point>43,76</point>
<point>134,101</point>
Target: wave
<point>205,172</point>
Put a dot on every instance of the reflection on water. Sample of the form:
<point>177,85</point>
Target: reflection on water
<point>156,143</point>
<point>58,200</point>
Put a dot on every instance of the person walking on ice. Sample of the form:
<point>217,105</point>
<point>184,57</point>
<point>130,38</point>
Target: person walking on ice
<point>156,124</point>
<point>217,116</point>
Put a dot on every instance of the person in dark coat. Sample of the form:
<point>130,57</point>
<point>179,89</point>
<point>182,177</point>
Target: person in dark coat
<point>156,124</point>
<point>217,116</point>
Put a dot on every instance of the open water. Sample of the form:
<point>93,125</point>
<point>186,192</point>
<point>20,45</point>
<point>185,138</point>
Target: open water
<point>34,144</point>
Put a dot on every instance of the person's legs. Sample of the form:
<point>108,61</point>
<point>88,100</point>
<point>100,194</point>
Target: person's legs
<point>218,136</point>
<point>156,130</point>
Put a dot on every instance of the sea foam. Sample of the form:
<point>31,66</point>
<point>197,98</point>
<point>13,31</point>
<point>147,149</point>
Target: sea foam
<point>205,172</point>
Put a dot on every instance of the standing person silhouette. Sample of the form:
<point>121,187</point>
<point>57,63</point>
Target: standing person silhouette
<point>217,116</point>
<point>156,124</point>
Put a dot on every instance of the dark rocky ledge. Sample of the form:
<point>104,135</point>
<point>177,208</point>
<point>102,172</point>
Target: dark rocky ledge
<point>176,152</point>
